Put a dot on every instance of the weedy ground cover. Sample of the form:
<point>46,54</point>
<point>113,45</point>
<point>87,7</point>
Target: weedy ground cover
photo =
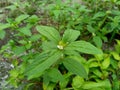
<point>62,45</point>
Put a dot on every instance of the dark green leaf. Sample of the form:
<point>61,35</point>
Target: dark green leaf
<point>39,58</point>
<point>70,35</point>
<point>75,67</point>
<point>19,50</point>
<point>49,46</point>
<point>84,47</point>
<point>33,19</point>
<point>49,32</point>
<point>55,75</point>
<point>90,29</point>
<point>37,70</point>
<point>26,30</point>
<point>99,14</point>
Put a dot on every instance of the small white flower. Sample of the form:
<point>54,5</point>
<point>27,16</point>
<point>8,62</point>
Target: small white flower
<point>60,47</point>
<point>12,65</point>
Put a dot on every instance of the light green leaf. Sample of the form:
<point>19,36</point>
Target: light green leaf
<point>49,32</point>
<point>37,70</point>
<point>14,73</point>
<point>106,63</point>
<point>97,40</point>
<point>4,26</point>
<point>90,85</point>
<point>77,82</point>
<point>93,64</point>
<point>57,13</point>
<point>2,34</point>
<point>21,18</point>
<point>84,47</point>
<point>75,67</point>
<point>97,72</point>
<point>118,42</point>
<point>99,57</point>
<point>70,35</point>
<point>116,55</point>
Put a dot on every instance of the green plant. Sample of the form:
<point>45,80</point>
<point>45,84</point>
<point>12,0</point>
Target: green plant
<point>56,51</point>
<point>49,49</point>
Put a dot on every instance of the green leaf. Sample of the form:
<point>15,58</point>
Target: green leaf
<point>4,26</point>
<point>51,86</point>
<point>57,13</point>
<point>37,70</point>
<point>84,47</point>
<point>21,18</point>
<point>25,30</point>
<point>90,85</point>
<point>35,37</point>
<point>77,82</point>
<point>27,87</point>
<point>118,42</point>
<point>97,40</point>
<point>97,72</point>
<point>49,32</point>
<point>48,46</point>
<point>99,14</point>
<point>94,64</point>
<point>116,84</point>
<point>101,88</point>
<point>114,63</point>
<point>33,19</point>
<point>75,67</point>
<point>14,73</point>
<point>116,55</point>
<point>2,34</point>
<point>70,35</point>
<point>63,84</point>
<point>39,58</point>
<point>90,29</point>
<point>71,53</point>
<point>19,50</point>
<point>106,62</point>
<point>117,46</point>
<point>55,75</point>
